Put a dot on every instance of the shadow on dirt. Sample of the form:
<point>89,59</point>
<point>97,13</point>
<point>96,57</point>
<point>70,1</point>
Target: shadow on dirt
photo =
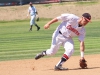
<point>78,69</point>
<point>85,68</point>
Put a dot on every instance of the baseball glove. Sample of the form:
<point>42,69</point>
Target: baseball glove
<point>37,18</point>
<point>83,63</point>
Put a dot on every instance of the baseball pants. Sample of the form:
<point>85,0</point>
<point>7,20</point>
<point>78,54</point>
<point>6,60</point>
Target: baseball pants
<point>58,40</point>
<point>32,21</point>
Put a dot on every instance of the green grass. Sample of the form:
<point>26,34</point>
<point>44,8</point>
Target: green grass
<point>87,3</point>
<point>16,42</point>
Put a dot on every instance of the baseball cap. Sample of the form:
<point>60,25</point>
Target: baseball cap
<point>30,3</point>
<point>87,16</point>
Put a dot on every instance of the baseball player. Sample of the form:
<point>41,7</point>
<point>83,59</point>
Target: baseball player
<point>70,27</point>
<point>32,12</point>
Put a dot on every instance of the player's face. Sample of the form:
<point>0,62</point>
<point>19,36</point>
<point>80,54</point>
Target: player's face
<point>30,4</point>
<point>84,21</point>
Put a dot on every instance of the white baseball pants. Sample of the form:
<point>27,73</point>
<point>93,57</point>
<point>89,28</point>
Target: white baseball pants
<point>32,21</point>
<point>58,40</point>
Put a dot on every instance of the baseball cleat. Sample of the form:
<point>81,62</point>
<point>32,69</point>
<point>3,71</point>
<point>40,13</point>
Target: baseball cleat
<point>39,55</point>
<point>59,67</point>
<point>30,29</point>
<point>38,28</point>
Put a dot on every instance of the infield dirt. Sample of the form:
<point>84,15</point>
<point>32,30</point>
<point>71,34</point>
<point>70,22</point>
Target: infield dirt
<point>45,66</point>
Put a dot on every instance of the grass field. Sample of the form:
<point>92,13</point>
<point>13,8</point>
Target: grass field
<point>16,42</point>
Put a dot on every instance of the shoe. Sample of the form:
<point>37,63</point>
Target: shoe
<point>59,67</point>
<point>38,28</point>
<point>40,55</point>
<point>30,29</point>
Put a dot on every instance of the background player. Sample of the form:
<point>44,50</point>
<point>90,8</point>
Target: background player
<point>32,12</point>
<point>70,27</point>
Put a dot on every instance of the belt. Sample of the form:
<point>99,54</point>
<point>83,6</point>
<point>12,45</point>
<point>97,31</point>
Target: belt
<point>60,32</point>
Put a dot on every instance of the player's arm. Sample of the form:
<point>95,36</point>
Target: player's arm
<point>82,48</point>
<point>35,10</point>
<point>82,61</point>
<point>28,12</point>
<point>46,26</point>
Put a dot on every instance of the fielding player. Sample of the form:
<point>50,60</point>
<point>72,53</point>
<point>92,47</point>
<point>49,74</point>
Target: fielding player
<point>70,27</point>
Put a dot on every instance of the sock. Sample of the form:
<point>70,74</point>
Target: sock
<point>63,59</point>
<point>36,25</point>
<point>31,27</point>
<point>44,52</point>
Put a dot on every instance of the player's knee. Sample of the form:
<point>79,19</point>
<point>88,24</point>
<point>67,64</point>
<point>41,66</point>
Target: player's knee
<point>50,52</point>
<point>69,52</point>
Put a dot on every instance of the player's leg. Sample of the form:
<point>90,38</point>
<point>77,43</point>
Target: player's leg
<point>30,27</point>
<point>38,28</point>
<point>31,23</point>
<point>69,49</point>
<point>53,49</point>
<point>48,52</point>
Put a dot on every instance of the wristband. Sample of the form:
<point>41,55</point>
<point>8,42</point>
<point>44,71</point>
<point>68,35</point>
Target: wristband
<point>82,54</point>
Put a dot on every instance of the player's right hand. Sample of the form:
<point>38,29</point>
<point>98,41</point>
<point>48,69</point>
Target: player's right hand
<point>46,26</point>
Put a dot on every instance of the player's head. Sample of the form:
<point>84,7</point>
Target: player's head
<point>30,3</point>
<point>86,17</point>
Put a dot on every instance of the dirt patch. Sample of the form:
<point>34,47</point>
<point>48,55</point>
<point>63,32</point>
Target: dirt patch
<point>45,66</point>
<point>48,11</point>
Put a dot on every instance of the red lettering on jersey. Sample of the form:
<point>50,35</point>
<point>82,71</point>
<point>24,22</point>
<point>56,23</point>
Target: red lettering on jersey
<point>73,30</point>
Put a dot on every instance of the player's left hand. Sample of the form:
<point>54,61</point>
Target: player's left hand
<point>37,18</point>
<point>82,63</point>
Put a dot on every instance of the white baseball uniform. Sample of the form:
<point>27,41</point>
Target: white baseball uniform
<point>64,33</point>
<point>32,11</point>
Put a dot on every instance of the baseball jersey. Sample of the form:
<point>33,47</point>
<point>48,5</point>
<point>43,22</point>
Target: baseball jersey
<point>70,27</point>
<point>32,10</point>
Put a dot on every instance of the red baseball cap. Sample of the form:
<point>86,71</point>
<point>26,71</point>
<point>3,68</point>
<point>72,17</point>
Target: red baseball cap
<point>87,16</point>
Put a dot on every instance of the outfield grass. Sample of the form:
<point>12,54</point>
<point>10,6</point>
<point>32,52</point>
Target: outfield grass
<point>16,42</point>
